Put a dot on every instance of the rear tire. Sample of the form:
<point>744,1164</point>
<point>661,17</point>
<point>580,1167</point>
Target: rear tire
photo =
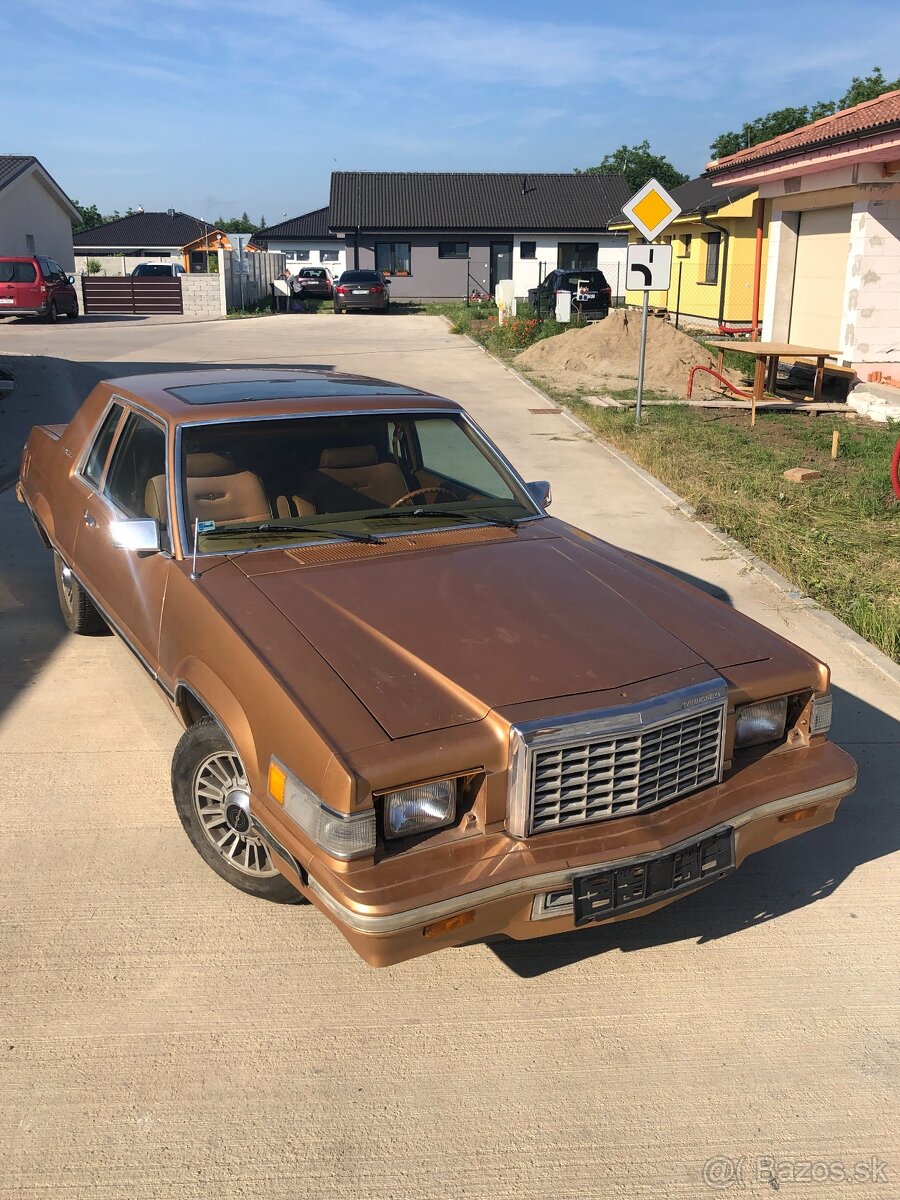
<point>337,310</point>
<point>78,609</point>
<point>52,313</point>
<point>207,777</point>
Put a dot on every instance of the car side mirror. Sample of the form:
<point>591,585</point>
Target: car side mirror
<point>141,535</point>
<point>71,278</point>
<point>540,492</point>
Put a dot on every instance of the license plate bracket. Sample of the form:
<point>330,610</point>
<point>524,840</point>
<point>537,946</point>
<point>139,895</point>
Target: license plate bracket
<point>598,895</point>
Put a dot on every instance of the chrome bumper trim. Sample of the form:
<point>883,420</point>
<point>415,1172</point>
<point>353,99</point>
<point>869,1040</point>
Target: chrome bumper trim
<point>412,917</point>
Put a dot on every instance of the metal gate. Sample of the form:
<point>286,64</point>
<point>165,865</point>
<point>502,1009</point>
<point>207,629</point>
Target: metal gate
<point>137,295</point>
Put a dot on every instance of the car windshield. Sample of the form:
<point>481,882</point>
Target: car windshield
<point>17,272</point>
<point>312,273</point>
<point>373,474</point>
<point>361,277</point>
<point>153,269</point>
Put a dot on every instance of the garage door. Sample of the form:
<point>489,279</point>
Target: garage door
<point>823,245</point>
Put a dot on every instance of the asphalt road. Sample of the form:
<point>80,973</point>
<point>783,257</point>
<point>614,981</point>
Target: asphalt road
<point>166,1036</point>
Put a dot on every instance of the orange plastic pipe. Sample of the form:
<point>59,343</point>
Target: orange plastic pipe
<point>721,379</point>
<point>757,267</point>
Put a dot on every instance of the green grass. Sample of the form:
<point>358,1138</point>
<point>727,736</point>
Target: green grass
<point>837,538</point>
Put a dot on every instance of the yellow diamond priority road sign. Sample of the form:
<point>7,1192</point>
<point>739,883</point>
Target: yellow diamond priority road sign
<point>651,209</point>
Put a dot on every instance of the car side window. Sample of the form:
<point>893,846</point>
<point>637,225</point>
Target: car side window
<point>96,460</point>
<point>135,482</point>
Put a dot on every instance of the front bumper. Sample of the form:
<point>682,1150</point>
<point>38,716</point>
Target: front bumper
<point>503,893</point>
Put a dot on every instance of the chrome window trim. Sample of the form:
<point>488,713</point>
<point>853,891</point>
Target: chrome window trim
<point>552,733</point>
<point>113,400</point>
<point>186,542</point>
<point>378,923</point>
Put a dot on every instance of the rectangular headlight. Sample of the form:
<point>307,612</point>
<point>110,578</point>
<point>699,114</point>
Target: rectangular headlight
<point>760,723</point>
<point>343,835</point>
<point>820,720</point>
<point>415,809</point>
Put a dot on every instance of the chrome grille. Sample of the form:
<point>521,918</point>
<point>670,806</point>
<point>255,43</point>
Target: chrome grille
<point>597,766</point>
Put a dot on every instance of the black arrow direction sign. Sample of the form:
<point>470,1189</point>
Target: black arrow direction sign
<point>647,273</point>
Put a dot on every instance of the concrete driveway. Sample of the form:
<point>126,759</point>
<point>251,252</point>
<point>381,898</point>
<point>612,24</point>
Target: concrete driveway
<point>166,1036</point>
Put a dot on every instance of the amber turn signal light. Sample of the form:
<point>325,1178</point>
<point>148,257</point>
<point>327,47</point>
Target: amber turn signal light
<point>799,814</point>
<point>277,781</point>
<point>436,928</point>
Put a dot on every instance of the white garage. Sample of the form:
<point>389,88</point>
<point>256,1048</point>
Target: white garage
<point>823,245</point>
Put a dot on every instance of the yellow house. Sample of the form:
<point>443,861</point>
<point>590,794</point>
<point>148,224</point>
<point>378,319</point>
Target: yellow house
<point>714,251</point>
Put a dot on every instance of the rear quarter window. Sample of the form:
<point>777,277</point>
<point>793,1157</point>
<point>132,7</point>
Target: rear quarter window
<point>17,272</point>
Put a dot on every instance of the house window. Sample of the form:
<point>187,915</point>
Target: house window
<point>300,255</point>
<point>578,256</point>
<point>453,249</point>
<point>392,258</point>
<point>329,255</point>
<point>713,241</point>
<point>528,249</point>
<point>29,243</point>
<point>685,248</point>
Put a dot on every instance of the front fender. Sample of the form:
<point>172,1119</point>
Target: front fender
<point>196,678</point>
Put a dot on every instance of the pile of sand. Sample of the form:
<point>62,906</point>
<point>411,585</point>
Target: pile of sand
<point>605,354</point>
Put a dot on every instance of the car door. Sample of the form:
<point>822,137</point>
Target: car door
<point>127,585</point>
<point>64,291</point>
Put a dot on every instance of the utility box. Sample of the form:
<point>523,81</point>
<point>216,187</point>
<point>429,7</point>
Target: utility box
<point>505,297</point>
<point>564,306</point>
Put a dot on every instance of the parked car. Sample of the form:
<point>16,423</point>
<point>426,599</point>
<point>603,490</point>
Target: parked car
<point>316,282</point>
<point>148,270</point>
<point>591,293</point>
<point>36,287</point>
<point>408,694</point>
<point>361,289</point>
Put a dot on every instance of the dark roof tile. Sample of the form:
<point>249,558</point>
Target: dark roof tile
<point>475,201</point>
<point>310,225</point>
<point>143,230</point>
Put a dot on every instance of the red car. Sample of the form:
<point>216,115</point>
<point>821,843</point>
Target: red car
<point>36,287</point>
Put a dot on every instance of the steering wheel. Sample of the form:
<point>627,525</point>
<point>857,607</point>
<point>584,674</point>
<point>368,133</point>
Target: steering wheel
<point>433,492</point>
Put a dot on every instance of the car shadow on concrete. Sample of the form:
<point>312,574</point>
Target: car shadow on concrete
<point>768,885</point>
<point>47,391</point>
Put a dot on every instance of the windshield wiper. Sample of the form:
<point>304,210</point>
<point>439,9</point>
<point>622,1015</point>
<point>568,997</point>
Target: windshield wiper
<point>469,518</point>
<point>270,527</point>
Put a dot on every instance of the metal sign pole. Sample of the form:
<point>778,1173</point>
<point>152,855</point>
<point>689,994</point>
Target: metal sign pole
<point>640,381</point>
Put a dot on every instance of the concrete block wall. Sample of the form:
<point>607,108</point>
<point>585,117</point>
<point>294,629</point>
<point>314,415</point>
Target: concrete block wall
<point>201,296</point>
<point>871,318</point>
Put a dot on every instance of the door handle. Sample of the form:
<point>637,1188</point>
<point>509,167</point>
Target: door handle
<point>88,519</point>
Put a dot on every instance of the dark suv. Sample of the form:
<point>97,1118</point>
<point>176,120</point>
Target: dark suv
<point>590,293</point>
<point>361,289</point>
<point>36,286</point>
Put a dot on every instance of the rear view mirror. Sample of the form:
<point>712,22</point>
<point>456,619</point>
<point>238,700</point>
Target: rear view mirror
<point>540,492</point>
<point>139,535</point>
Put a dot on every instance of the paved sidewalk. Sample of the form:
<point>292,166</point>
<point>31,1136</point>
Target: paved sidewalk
<point>165,1036</point>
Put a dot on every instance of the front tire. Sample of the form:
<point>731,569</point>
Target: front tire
<point>211,793</point>
<point>77,608</point>
<point>74,314</point>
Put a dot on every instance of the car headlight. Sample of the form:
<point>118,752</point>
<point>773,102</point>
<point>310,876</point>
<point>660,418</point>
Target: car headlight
<point>760,723</point>
<point>415,809</point>
<point>343,835</point>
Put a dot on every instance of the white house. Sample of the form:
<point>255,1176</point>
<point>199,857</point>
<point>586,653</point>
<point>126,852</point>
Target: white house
<point>306,241</point>
<point>36,215</point>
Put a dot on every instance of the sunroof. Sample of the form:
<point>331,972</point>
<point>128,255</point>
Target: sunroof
<point>282,389</point>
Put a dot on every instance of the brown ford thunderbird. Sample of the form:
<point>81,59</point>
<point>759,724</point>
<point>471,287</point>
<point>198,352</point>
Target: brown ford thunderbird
<point>408,694</point>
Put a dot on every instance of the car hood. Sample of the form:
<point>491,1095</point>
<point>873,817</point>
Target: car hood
<point>438,637</point>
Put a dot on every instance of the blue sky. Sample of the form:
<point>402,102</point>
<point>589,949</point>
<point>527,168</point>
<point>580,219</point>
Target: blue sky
<point>214,108</point>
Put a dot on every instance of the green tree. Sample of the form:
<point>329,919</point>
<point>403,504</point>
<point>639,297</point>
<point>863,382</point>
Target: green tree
<point>637,164</point>
<point>785,120</point>
<point>91,217</point>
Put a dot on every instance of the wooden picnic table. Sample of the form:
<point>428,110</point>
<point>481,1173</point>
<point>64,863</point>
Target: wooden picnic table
<point>768,355</point>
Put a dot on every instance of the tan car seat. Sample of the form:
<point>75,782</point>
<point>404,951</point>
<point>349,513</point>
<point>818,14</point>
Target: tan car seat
<point>353,469</point>
<point>215,491</point>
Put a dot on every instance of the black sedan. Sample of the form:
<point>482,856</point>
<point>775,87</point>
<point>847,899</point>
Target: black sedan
<point>361,289</point>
